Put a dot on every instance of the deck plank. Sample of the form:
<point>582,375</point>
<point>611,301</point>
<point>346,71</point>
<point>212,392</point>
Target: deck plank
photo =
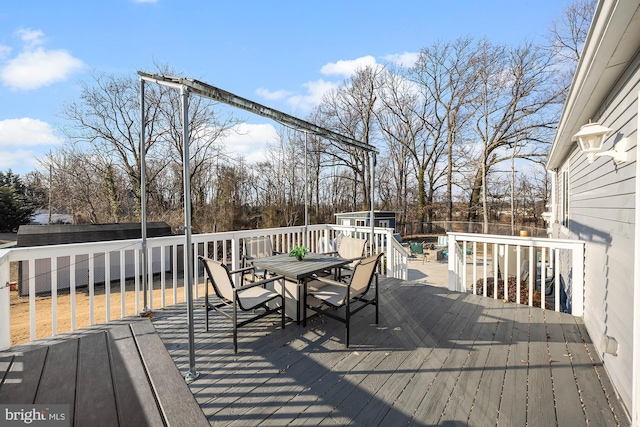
<point>468,397</point>
<point>409,362</point>
<point>587,372</point>
<point>95,399</point>
<point>375,377</point>
<point>486,406</point>
<point>176,402</point>
<point>434,349</point>
<point>58,381</point>
<point>468,354</point>
<point>540,401</point>
<point>134,398</point>
<point>568,407</point>
<point>21,381</point>
<point>513,405</point>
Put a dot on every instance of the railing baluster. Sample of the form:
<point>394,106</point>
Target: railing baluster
<point>91,259</point>
<point>123,284</point>
<point>505,277</point>
<point>72,290</point>
<point>54,296</point>
<point>556,283</point>
<point>484,284</point>
<point>136,275</point>
<point>107,284</point>
<point>174,273</point>
<point>163,275</point>
<point>31,283</point>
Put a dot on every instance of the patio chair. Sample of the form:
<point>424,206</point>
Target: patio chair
<point>328,295</point>
<point>417,250</point>
<point>352,249</point>
<point>247,297</point>
<point>257,247</point>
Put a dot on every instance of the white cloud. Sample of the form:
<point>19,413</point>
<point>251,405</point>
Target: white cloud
<point>36,67</point>
<point>4,52</point>
<point>250,141</point>
<point>405,59</point>
<point>19,161</point>
<point>272,95</point>
<point>26,132</point>
<point>346,68</point>
<point>31,38</point>
<point>313,97</point>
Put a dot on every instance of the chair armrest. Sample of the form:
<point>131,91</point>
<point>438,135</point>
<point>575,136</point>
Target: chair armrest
<point>331,253</point>
<point>242,270</point>
<point>259,283</point>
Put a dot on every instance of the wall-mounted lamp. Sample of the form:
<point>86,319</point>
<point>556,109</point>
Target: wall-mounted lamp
<point>590,139</point>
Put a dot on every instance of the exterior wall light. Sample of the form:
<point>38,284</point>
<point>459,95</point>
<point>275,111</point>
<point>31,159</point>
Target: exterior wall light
<point>590,139</point>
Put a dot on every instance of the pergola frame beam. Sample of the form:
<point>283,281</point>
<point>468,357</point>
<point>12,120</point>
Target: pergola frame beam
<point>217,94</point>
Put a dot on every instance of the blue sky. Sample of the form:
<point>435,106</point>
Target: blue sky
<point>284,54</point>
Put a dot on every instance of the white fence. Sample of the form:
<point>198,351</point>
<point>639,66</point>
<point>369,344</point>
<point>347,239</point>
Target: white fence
<point>552,269</point>
<point>79,270</point>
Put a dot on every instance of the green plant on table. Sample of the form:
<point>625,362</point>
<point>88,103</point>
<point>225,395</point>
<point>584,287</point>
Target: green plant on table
<point>299,252</point>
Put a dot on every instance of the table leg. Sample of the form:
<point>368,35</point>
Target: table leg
<point>300,282</point>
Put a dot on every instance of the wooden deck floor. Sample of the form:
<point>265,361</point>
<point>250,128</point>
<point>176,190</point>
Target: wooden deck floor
<point>435,358</point>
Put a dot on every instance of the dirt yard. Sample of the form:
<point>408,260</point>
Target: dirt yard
<point>20,308</point>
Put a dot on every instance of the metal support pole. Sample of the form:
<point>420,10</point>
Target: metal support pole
<point>143,202</point>
<point>306,194</point>
<point>372,196</point>
<point>188,252</point>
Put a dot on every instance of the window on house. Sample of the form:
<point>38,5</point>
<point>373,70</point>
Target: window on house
<point>360,223</point>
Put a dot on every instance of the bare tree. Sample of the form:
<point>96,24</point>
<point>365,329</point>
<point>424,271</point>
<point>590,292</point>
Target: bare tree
<point>350,110</point>
<point>517,103</point>
<point>567,35</point>
<point>105,124</point>
<point>446,76</point>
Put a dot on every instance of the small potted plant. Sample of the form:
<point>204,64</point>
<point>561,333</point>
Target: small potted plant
<point>299,252</point>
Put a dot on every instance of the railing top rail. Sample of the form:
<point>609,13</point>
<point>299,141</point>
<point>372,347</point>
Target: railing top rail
<point>37,252</point>
<point>516,240</point>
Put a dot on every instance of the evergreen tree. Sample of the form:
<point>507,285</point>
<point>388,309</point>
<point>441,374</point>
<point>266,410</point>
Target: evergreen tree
<point>15,210</point>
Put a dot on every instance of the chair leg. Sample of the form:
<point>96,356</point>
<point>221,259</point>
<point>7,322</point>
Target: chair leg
<point>377,301</point>
<point>282,298</point>
<point>347,318</point>
<point>235,324</point>
<point>206,311</point>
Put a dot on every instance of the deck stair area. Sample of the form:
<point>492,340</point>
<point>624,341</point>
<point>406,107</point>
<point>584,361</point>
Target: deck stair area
<point>114,375</point>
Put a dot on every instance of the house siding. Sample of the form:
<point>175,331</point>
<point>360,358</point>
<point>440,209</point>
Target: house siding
<point>602,212</point>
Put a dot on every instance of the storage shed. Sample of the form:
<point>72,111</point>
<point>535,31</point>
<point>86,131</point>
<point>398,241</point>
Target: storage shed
<point>384,219</point>
<point>60,234</point>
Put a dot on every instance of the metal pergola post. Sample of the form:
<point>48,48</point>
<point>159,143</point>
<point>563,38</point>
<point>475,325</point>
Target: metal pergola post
<point>143,202</point>
<point>372,196</point>
<point>306,194</point>
<point>188,252</point>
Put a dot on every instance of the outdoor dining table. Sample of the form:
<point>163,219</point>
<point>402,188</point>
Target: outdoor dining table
<point>298,271</point>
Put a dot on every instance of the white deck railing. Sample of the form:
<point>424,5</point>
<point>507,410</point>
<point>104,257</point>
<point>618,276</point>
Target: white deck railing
<point>553,269</point>
<point>50,274</point>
